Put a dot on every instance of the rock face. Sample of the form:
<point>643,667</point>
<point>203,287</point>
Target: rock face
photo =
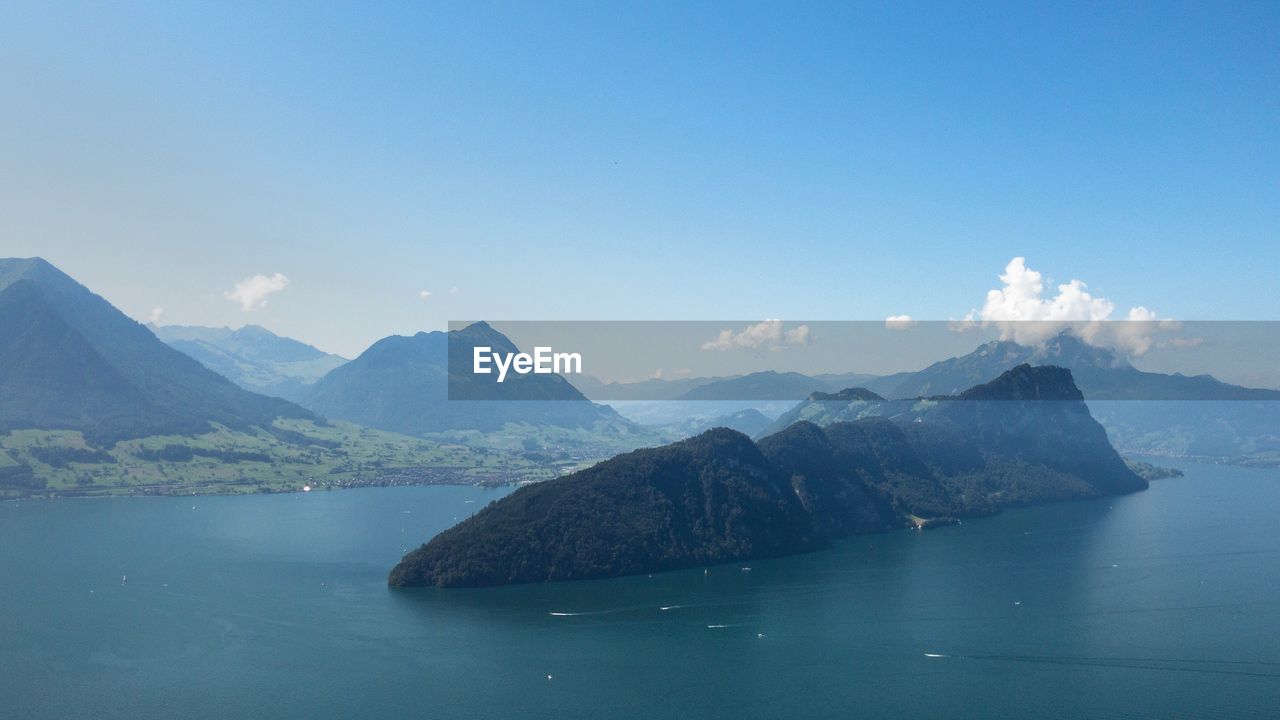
<point>1032,425</point>
<point>1026,437</point>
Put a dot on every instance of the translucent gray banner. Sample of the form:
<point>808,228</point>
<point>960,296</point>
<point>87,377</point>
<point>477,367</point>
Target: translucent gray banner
<point>896,359</point>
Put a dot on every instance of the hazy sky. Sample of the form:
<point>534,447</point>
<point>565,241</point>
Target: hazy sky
<point>657,161</point>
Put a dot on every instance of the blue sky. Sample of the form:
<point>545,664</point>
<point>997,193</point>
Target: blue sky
<point>659,161</point>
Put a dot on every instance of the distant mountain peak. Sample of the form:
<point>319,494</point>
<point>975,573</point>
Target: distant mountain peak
<point>37,270</point>
<point>1093,366</point>
<point>1025,382</point>
<point>479,334</point>
<point>253,357</point>
<point>28,264</point>
<point>846,395</point>
<point>761,385</point>
<point>1068,350</point>
<point>254,331</point>
<point>73,361</point>
<point>424,384</point>
<point>1064,349</point>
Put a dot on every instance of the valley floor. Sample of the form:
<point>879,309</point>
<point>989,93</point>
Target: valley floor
<point>291,456</point>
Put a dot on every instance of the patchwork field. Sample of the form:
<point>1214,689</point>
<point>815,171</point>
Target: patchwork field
<point>291,455</point>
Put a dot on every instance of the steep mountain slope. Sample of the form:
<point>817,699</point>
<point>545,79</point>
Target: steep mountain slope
<point>1025,437</point>
<point>72,361</point>
<point>397,384</point>
<point>252,357</point>
<point>895,467</point>
<point>832,478</point>
<point>709,499</point>
<point>402,384</point>
<point>1035,439</point>
<point>828,408</point>
<point>51,377</point>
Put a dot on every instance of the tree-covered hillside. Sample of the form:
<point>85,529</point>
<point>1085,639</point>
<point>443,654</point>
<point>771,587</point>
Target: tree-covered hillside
<point>709,499</point>
<point>1025,437</point>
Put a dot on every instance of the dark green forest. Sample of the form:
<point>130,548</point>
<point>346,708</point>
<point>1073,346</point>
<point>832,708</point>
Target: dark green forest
<point>1026,437</point>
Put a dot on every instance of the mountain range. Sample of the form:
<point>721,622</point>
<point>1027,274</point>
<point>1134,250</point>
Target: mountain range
<point>404,384</point>
<point>758,386</point>
<point>1143,413</point>
<point>1101,374</point>
<point>252,357</point>
<point>94,403</point>
<point>69,360</point>
<point>1026,437</point>
<point>771,385</point>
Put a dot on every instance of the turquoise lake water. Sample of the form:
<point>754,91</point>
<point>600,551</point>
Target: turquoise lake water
<point>1161,604</point>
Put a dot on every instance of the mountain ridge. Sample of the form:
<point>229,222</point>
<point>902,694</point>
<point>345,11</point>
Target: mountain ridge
<point>405,383</point>
<point>150,388</point>
<point>252,357</point>
<point>1100,373</point>
<point>966,455</point>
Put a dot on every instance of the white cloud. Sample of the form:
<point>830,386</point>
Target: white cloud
<point>768,335</point>
<point>252,292</point>
<point>453,290</point>
<point>153,317</point>
<point>1024,314</point>
<point>899,322</point>
<point>424,294</point>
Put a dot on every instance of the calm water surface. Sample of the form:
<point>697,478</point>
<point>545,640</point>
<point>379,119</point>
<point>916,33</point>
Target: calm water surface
<point>1162,604</point>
